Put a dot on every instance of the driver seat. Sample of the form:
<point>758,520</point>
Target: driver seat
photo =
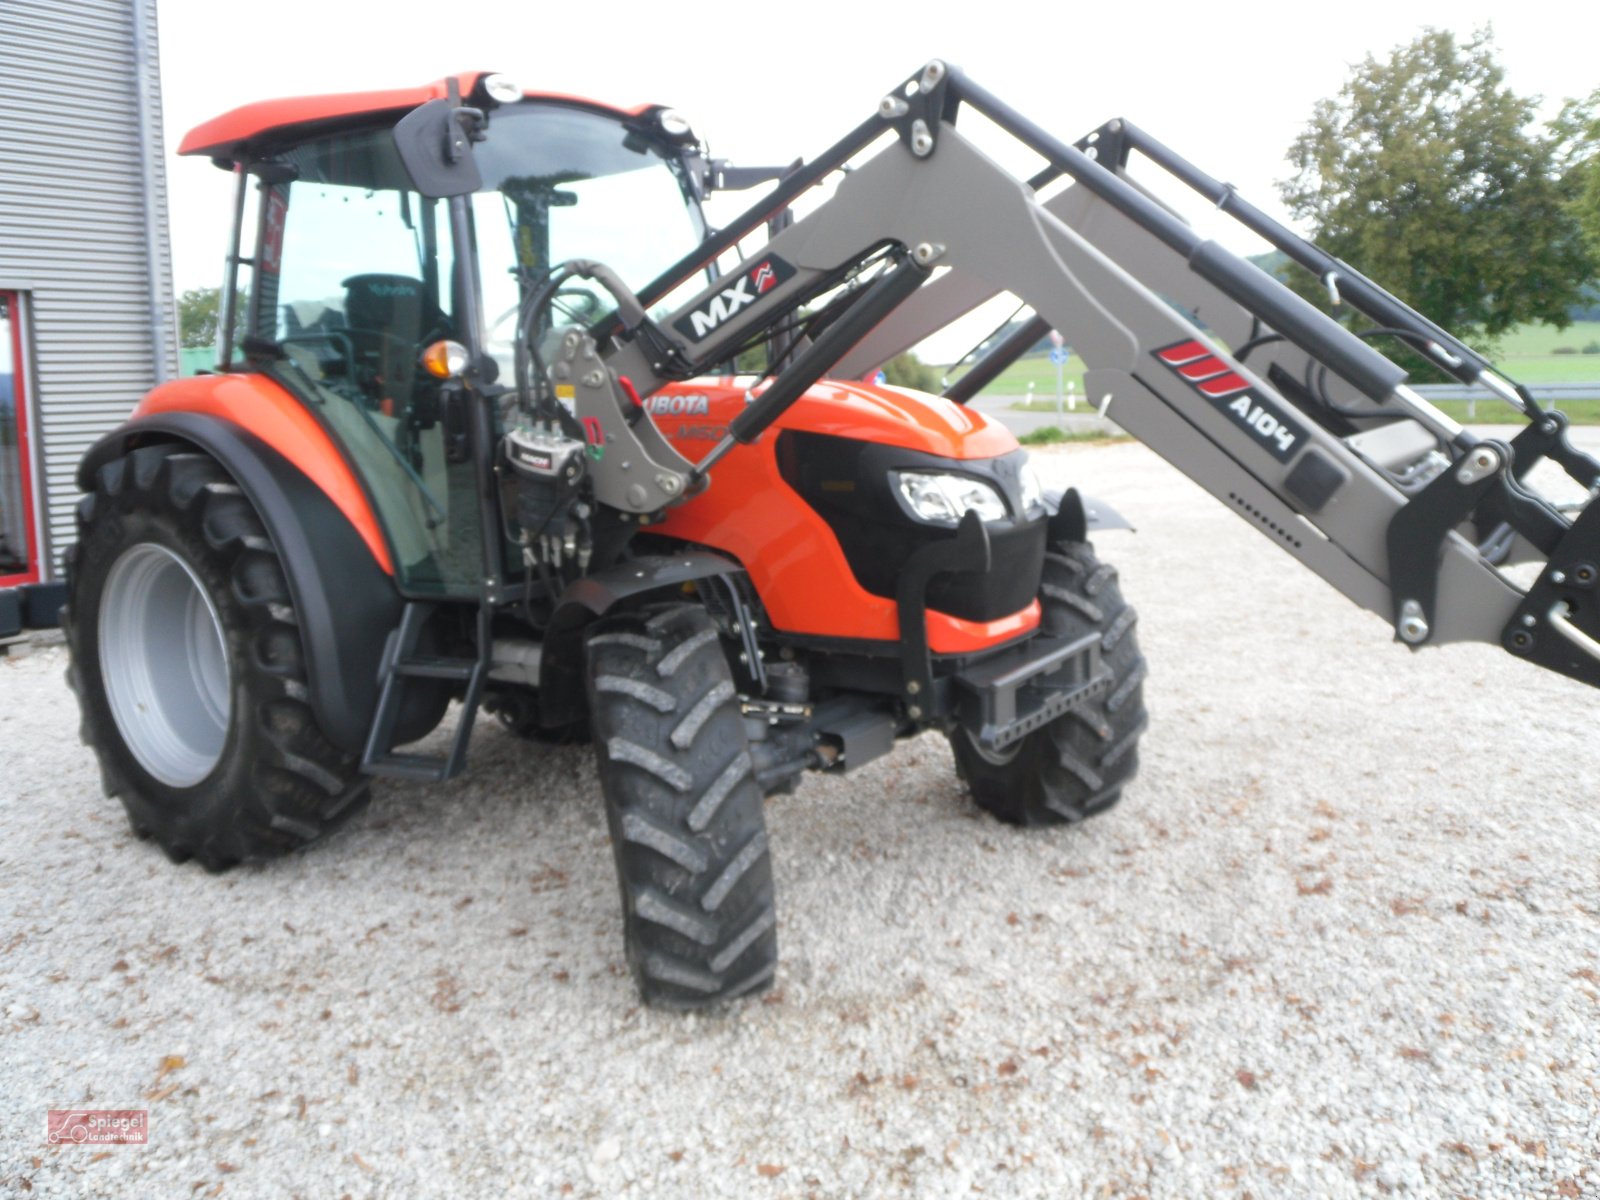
<point>387,318</point>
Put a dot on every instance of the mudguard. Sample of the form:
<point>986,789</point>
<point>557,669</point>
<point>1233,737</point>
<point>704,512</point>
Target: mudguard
<point>561,672</point>
<point>344,601</point>
<point>1074,516</point>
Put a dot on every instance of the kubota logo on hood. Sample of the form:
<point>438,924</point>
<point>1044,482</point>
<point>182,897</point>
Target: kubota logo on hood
<point>744,291</point>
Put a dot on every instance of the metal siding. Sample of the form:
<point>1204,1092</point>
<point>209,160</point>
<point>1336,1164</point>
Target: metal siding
<point>72,225</point>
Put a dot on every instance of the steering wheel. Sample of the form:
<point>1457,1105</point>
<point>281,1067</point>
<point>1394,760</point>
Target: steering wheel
<point>580,307</point>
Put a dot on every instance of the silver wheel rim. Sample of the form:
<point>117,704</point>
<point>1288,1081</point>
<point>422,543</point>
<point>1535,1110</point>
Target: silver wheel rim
<point>165,665</point>
<point>995,758</point>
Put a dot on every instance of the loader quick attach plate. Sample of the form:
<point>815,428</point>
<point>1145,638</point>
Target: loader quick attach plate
<point>1008,696</point>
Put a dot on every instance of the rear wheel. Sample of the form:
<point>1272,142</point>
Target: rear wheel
<point>685,811</point>
<point>187,662</point>
<point>1076,766</point>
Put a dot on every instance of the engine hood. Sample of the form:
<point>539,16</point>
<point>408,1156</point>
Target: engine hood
<point>694,416</point>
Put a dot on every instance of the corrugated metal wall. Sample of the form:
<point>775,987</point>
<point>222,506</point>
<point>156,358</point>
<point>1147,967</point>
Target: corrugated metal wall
<point>73,222</point>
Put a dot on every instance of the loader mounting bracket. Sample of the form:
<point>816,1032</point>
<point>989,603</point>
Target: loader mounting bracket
<point>1557,625</point>
<point>1417,532</point>
<point>919,106</point>
<point>1547,438</point>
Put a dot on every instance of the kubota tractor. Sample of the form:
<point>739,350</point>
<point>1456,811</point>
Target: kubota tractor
<point>478,433</point>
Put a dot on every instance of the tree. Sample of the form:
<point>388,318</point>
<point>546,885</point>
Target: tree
<point>907,370</point>
<point>1428,173</point>
<point>199,310</point>
<point>1579,128</point>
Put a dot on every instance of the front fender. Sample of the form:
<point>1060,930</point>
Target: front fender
<point>345,602</point>
<point>561,678</point>
<point>1074,516</point>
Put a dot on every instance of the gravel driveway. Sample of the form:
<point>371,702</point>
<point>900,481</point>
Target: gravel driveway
<point>1341,938</point>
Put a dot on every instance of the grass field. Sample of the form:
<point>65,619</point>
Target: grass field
<point>1528,353</point>
<point>1497,412</point>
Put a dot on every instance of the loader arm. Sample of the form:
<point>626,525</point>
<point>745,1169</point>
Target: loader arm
<point>1303,428</point>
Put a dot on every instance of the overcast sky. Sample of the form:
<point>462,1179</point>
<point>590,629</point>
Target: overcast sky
<point>1227,85</point>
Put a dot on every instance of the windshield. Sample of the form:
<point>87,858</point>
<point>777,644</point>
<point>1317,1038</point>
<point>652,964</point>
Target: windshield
<point>563,183</point>
<point>355,276</point>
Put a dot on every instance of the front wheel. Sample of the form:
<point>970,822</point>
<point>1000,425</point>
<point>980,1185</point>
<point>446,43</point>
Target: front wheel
<point>684,808</point>
<point>1076,766</point>
<point>187,662</point>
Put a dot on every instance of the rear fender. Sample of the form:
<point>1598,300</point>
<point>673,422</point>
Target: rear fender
<point>561,670</point>
<point>345,601</point>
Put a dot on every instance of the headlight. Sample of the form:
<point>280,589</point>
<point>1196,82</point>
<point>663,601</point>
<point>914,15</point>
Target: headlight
<point>945,499</point>
<point>1032,489</point>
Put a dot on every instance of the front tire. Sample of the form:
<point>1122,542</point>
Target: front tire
<point>1076,766</point>
<point>685,811</point>
<point>187,663</point>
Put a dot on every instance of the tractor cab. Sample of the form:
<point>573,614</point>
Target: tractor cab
<point>342,273</point>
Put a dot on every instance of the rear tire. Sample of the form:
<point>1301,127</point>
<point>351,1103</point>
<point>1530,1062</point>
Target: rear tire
<point>187,663</point>
<point>1076,766</point>
<point>687,826</point>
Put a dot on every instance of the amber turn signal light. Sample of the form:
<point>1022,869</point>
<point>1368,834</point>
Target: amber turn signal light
<point>445,359</point>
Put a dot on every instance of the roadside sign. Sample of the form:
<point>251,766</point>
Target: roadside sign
<point>1059,356</point>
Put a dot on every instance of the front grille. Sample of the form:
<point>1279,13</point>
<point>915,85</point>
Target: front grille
<point>847,482</point>
<point>1016,564</point>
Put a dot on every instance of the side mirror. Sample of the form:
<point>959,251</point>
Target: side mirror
<point>435,144</point>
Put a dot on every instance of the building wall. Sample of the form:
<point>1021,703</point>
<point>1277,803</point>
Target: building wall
<point>82,197</point>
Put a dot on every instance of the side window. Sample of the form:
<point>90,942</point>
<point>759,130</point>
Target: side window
<point>358,292</point>
<point>354,283</point>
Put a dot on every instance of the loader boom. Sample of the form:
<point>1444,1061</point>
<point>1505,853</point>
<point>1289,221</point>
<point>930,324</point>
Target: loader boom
<point>1280,412</point>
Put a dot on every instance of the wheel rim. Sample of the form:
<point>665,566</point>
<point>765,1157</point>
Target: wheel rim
<point>995,758</point>
<point>164,661</point>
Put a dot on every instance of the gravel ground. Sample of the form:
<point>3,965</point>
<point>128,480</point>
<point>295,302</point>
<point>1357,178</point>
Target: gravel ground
<point>1342,938</point>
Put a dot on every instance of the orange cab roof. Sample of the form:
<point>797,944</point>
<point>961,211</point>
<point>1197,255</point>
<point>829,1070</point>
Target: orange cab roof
<point>225,137</point>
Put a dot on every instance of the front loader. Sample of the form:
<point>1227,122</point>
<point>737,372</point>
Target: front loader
<point>479,432</point>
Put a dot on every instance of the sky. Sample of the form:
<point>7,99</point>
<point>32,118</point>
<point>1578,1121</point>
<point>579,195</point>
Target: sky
<point>1228,86</point>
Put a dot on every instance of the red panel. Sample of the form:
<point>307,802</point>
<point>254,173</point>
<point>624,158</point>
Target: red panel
<point>1204,369</point>
<point>1225,386</point>
<point>24,458</point>
<point>1183,352</point>
<point>222,136</point>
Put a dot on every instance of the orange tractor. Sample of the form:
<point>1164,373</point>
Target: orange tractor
<point>480,432</point>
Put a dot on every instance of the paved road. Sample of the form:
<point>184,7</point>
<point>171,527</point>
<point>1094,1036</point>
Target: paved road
<point>1085,419</point>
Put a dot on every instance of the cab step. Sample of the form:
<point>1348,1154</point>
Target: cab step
<point>403,664</point>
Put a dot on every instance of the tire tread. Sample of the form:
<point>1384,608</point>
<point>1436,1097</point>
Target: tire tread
<point>289,785</point>
<point>685,809</point>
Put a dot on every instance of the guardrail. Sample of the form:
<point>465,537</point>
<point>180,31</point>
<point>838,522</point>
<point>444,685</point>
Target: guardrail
<point>1546,393</point>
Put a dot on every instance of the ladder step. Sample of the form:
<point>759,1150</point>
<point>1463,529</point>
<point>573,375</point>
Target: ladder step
<point>401,665</point>
<point>425,768</point>
<point>459,669</point>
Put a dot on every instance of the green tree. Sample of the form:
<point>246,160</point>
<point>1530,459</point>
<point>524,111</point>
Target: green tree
<point>907,370</point>
<point>1579,128</point>
<point>1429,174</point>
<point>199,310</point>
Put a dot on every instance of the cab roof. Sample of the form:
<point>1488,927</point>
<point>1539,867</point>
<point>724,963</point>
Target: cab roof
<point>235,134</point>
